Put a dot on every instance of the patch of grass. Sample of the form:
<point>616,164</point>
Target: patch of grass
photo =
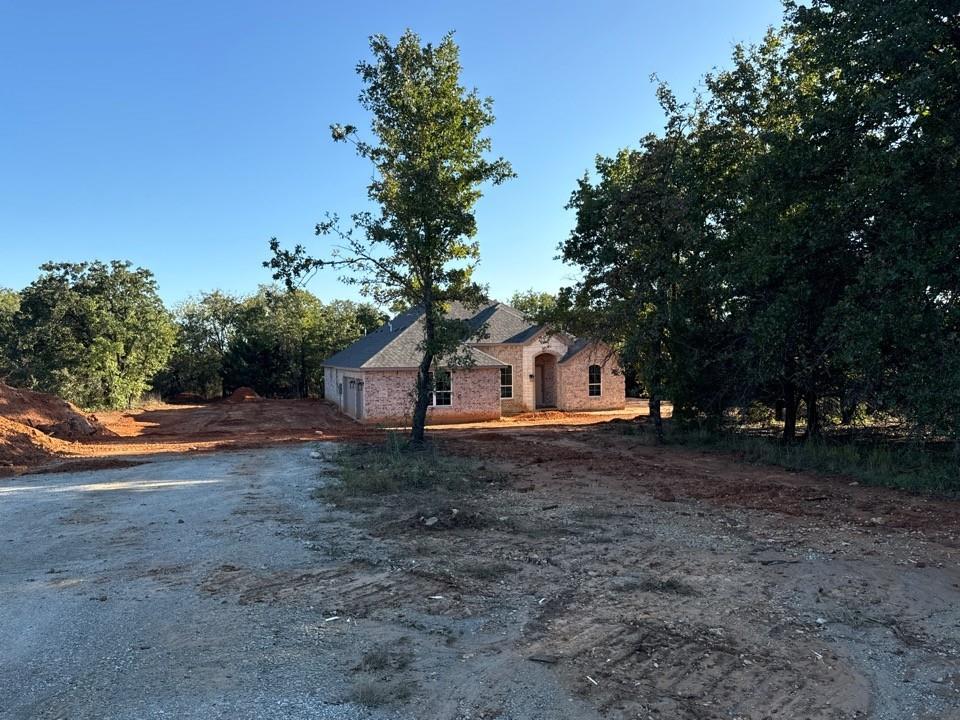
<point>376,659</point>
<point>669,586</point>
<point>382,657</point>
<point>489,571</point>
<point>377,694</point>
<point>901,466</point>
<point>394,467</point>
<point>884,462</point>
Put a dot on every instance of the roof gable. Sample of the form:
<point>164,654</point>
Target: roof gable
<point>396,344</point>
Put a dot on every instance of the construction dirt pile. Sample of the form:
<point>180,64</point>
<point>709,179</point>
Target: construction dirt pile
<point>243,394</point>
<point>47,413</point>
<point>22,447</point>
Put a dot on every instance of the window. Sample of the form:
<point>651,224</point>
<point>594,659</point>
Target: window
<point>506,382</point>
<point>593,380</point>
<point>442,385</point>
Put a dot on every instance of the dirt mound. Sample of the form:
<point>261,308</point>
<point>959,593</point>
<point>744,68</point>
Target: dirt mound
<point>22,446</point>
<point>243,394</point>
<point>47,413</point>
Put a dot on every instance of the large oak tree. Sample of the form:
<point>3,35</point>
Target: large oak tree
<point>430,160</point>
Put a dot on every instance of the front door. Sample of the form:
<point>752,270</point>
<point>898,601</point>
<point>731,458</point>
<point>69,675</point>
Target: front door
<point>538,385</point>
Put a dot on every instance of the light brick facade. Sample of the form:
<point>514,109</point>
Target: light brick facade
<point>574,382</point>
<point>373,379</point>
<point>387,396</point>
<point>564,383</point>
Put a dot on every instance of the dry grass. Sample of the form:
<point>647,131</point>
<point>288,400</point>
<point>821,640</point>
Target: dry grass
<point>393,467</point>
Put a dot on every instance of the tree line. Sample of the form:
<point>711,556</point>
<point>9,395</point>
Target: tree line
<point>789,245</point>
<point>98,335</point>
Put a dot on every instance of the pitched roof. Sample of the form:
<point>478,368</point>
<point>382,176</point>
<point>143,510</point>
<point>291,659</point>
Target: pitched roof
<point>575,348</point>
<point>503,324</point>
<point>396,343</point>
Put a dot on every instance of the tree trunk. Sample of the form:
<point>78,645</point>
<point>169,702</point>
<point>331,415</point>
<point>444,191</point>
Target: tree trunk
<point>303,369</point>
<point>418,428</point>
<point>656,375</point>
<point>813,415</point>
<point>778,411</point>
<point>656,417</point>
<point>789,413</point>
<point>848,409</point>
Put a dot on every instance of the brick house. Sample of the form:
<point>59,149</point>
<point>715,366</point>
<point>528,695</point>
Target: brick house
<point>516,366</point>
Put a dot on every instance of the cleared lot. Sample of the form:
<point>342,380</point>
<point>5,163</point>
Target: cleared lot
<point>600,578</point>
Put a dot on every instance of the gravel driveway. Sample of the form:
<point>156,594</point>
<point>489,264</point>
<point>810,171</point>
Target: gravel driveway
<point>214,586</point>
<point>113,601</point>
<point>100,612</point>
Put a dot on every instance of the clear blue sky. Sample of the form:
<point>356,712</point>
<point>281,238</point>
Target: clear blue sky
<point>182,135</point>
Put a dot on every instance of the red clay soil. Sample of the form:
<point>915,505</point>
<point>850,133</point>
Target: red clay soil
<point>23,447</point>
<point>36,429</point>
<point>572,458</point>
<point>567,453</point>
<point>47,413</point>
<point>180,428</point>
<point>243,394</point>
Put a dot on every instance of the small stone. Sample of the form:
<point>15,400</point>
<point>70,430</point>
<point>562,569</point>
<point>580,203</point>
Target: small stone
<point>430,521</point>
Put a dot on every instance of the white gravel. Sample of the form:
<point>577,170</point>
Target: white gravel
<point>101,615</point>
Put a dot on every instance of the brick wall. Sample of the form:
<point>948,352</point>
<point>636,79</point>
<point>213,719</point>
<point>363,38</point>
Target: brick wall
<point>511,355</point>
<point>337,389</point>
<point>389,396</point>
<point>554,345</point>
<point>574,381</point>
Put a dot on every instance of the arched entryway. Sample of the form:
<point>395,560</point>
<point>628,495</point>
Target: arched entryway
<point>545,380</point>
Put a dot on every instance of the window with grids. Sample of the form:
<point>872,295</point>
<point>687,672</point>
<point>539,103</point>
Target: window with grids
<point>442,385</point>
<point>593,380</point>
<point>506,382</point>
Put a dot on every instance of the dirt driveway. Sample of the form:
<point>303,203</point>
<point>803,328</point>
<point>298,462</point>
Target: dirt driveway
<point>602,578</point>
<point>215,587</point>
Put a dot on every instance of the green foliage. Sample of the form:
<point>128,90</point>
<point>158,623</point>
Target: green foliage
<point>99,336</point>
<point>635,242</point>
<point>95,334</point>
<point>272,341</point>
<point>9,305</point>
<point>535,305</point>
<point>790,241</point>
<point>429,162</point>
<point>205,331</point>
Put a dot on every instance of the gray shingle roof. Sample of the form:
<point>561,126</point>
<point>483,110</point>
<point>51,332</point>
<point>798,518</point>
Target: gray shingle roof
<point>573,349</point>
<point>396,343</point>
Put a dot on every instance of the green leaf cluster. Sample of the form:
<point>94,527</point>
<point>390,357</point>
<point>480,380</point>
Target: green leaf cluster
<point>93,333</point>
<point>273,341</point>
<point>430,161</point>
<point>791,240</point>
